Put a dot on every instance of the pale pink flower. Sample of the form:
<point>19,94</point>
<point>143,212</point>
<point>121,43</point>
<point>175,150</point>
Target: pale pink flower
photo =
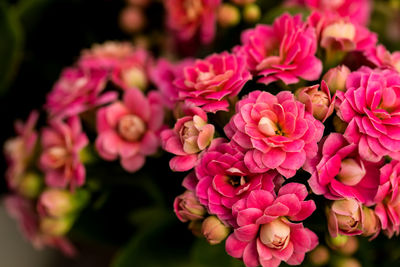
<point>190,19</point>
<point>23,211</point>
<point>129,129</point>
<point>388,198</point>
<point>338,33</point>
<point>267,234</point>
<point>61,145</point>
<point>317,102</point>
<point>339,172</point>
<point>190,135</point>
<point>19,150</point>
<point>284,51</point>
<point>358,11</point>
<point>275,131</point>
<point>345,217</point>
<point>370,106</point>
<point>188,208</point>
<point>210,82</point>
<point>223,179</point>
<point>163,75</point>
<point>214,230</point>
<point>76,91</point>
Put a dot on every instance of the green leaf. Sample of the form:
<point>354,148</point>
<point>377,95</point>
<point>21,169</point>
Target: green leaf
<point>10,45</point>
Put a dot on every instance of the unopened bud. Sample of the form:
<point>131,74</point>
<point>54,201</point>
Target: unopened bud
<point>336,78</point>
<point>319,256</point>
<point>350,247</point>
<point>214,230</point>
<point>347,262</point>
<point>228,15</point>
<point>339,125</point>
<point>30,185</point>
<point>188,208</point>
<point>251,13</point>
<point>132,19</point>
<point>56,226</point>
<point>351,172</point>
<point>371,224</point>
<point>275,234</point>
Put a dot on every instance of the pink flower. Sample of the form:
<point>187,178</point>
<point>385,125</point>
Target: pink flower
<point>275,131</point>
<point>209,82</point>
<point>381,57</point>
<point>317,102</point>
<point>371,107</point>
<point>76,91</point>
<point>388,198</point>
<point>106,56</point>
<point>129,129</point>
<point>338,33</point>
<point>61,144</point>
<point>188,208</point>
<point>189,19</point>
<point>265,235</point>
<point>345,217</point>
<point>223,179</point>
<point>284,51</point>
<point>19,150</point>
<point>23,211</point>
<point>132,70</point>
<point>339,172</point>
<point>358,11</point>
<point>191,135</point>
<point>163,74</point>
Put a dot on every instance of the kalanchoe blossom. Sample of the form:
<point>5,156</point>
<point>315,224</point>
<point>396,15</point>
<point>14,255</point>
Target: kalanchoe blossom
<point>191,19</point>
<point>223,179</point>
<point>22,210</point>
<point>76,91</point>
<point>18,151</point>
<point>317,102</point>
<point>265,235</point>
<point>388,198</point>
<point>129,129</point>
<point>358,11</point>
<point>382,58</point>
<point>371,107</point>
<point>284,51</point>
<point>338,171</point>
<point>191,135</point>
<point>163,75</point>
<point>209,82</point>
<point>345,217</point>
<point>275,131</point>
<point>339,34</point>
<point>61,144</point>
<point>188,208</point>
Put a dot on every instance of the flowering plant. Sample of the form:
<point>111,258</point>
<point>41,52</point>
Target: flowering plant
<point>287,140</point>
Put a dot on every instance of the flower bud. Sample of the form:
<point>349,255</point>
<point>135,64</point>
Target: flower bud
<point>251,13</point>
<point>195,134</point>
<point>345,217</point>
<point>228,15</point>
<point>267,126</point>
<point>339,125</point>
<point>60,202</point>
<point>214,230</point>
<point>56,226</point>
<point>340,34</point>
<point>132,19</point>
<point>195,228</point>
<point>275,234</point>
<point>30,185</point>
<point>350,247</point>
<point>351,172</point>
<point>336,78</point>
<point>371,224</point>
<point>188,208</point>
<point>337,241</point>
<point>135,77</point>
<point>319,256</point>
<point>347,262</point>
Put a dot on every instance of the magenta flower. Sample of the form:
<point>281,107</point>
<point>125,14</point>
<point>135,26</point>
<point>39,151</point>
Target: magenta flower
<point>18,151</point>
<point>223,179</point>
<point>265,235</point>
<point>209,82</point>
<point>338,33</point>
<point>76,91</point>
<point>388,198</point>
<point>382,58</point>
<point>338,171</point>
<point>163,75</point>
<point>275,131</point>
<point>189,19</point>
<point>23,211</point>
<point>130,129</point>
<point>191,135</point>
<point>61,144</point>
<point>371,107</point>
<point>359,11</point>
<point>284,51</point>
